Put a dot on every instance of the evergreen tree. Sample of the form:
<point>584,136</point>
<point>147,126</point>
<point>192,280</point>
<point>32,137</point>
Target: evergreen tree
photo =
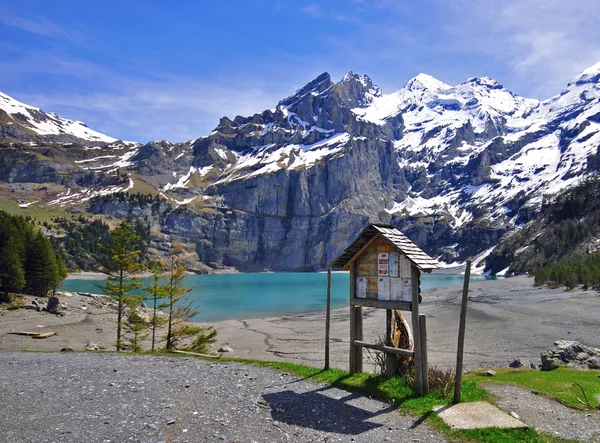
<point>41,269</point>
<point>181,310</point>
<point>135,325</point>
<point>12,273</point>
<point>121,272</point>
<point>157,292</point>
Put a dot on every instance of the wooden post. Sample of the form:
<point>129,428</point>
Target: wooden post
<point>390,359</point>
<point>461,334</point>
<point>352,357</point>
<point>358,350</point>
<point>418,386</point>
<point>328,319</point>
<point>424,363</point>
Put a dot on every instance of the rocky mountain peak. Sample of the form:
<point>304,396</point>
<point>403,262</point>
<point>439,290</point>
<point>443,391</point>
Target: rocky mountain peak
<point>425,82</point>
<point>320,85</point>
<point>486,82</point>
<point>357,91</point>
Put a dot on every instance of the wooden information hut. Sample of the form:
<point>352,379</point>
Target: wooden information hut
<point>385,268</point>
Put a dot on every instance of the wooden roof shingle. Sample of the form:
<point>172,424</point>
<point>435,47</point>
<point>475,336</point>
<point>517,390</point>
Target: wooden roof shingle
<point>421,260</point>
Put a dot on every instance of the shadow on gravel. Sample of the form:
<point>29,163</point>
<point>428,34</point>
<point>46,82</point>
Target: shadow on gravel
<point>316,410</point>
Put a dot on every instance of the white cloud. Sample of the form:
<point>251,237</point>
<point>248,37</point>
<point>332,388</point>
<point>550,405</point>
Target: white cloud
<point>42,27</point>
<point>544,43</point>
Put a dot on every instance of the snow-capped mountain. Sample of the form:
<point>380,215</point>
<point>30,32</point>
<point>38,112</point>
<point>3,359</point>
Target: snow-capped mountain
<point>19,120</point>
<point>454,167</point>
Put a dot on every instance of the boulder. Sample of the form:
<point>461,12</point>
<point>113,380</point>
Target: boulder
<point>225,349</point>
<point>572,354</point>
<point>516,364</point>
<point>53,306</point>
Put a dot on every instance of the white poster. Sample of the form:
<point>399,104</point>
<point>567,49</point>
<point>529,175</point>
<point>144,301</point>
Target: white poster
<point>405,267</point>
<point>383,288</point>
<point>361,287</point>
<point>393,264</point>
<point>396,288</point>
<point>383,264</point>
<point>406,289</point>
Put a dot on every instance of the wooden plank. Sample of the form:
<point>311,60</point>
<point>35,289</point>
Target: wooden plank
<point>390,360</point>
<point>383,348</point>
<point>461,335</point>
<point>359,336</point>
<point>424,361</point>
<point>360,251</point>
<point>327,318</point>
<point>45,334</point>
<point>383,304</point>
<point>367,271</point>
<point>352,357</point>
<point>30,334</point>
<point>418,386</point>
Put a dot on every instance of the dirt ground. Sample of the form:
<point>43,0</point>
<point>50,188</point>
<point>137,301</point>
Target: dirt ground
<point>506,319</point>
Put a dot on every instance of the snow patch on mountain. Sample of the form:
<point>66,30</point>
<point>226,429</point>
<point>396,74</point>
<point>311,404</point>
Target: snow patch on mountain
<point>48,124</point>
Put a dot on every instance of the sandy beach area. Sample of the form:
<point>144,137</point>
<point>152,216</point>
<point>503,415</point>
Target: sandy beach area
<point>507,319</point>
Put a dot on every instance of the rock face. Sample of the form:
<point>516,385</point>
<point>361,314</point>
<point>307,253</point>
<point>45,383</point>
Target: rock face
<point>570,353</point>
<point>454,167</point>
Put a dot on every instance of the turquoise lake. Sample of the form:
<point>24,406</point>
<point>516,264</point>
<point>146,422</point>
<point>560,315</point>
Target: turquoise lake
<point>238,296</point>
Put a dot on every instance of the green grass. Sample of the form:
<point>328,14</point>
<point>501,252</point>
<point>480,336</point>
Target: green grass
<point>39,212</point>
<point>496,435</point>
<point>559,383</point>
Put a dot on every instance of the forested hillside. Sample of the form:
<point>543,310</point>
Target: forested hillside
<point>28,262</point>
<point>568,228</point>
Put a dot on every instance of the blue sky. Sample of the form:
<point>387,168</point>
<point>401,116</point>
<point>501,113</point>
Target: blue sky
<point>148,70</point>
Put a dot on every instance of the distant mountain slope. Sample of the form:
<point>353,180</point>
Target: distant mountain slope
<point>454,167</point>
<point>568,226</point>
<point>22,122</point>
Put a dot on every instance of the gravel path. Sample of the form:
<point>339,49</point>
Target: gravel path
<point>547,415</point>
<point>74,397</point>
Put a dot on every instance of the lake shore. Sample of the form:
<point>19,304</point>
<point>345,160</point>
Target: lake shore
<point>507,319</point>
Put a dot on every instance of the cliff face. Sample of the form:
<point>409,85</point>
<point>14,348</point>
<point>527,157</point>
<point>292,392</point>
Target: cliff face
<point>453,167</point>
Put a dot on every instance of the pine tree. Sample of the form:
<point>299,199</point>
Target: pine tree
<point>12,273</point>
<point>135,325</point>
<point>121,272</point>
<point>157,292</point>
<point>181,309</point>
<point>41,268</point>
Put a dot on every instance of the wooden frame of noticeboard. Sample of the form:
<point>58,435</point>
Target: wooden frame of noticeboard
<point>382,276</point>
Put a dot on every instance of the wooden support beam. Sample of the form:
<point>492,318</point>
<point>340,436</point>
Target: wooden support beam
<point>424,362</point>
<point>390,360</point>
<point>384,304</point>
<point>359,336</point>
<point>327,319</point>
<point>383,348</point>
<point>352,357</point>
<point>418,385</point>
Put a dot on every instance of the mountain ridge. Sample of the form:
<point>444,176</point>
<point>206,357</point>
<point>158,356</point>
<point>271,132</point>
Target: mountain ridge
<point>454,167</point>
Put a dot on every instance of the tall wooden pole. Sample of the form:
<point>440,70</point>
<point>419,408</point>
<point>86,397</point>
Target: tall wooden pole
<point>461,334</point>
<point>418,358</point>
<point>424,360</point>
<point>328,319</point>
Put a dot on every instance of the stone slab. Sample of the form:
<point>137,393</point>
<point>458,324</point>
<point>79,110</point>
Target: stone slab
<point>476,415</point>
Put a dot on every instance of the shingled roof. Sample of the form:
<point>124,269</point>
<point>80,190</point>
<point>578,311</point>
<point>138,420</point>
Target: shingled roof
<point>397,238</point>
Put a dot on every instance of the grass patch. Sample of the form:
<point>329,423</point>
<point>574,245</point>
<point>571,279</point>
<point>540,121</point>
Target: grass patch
<point>559,383</point>
<point>496,435</point>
